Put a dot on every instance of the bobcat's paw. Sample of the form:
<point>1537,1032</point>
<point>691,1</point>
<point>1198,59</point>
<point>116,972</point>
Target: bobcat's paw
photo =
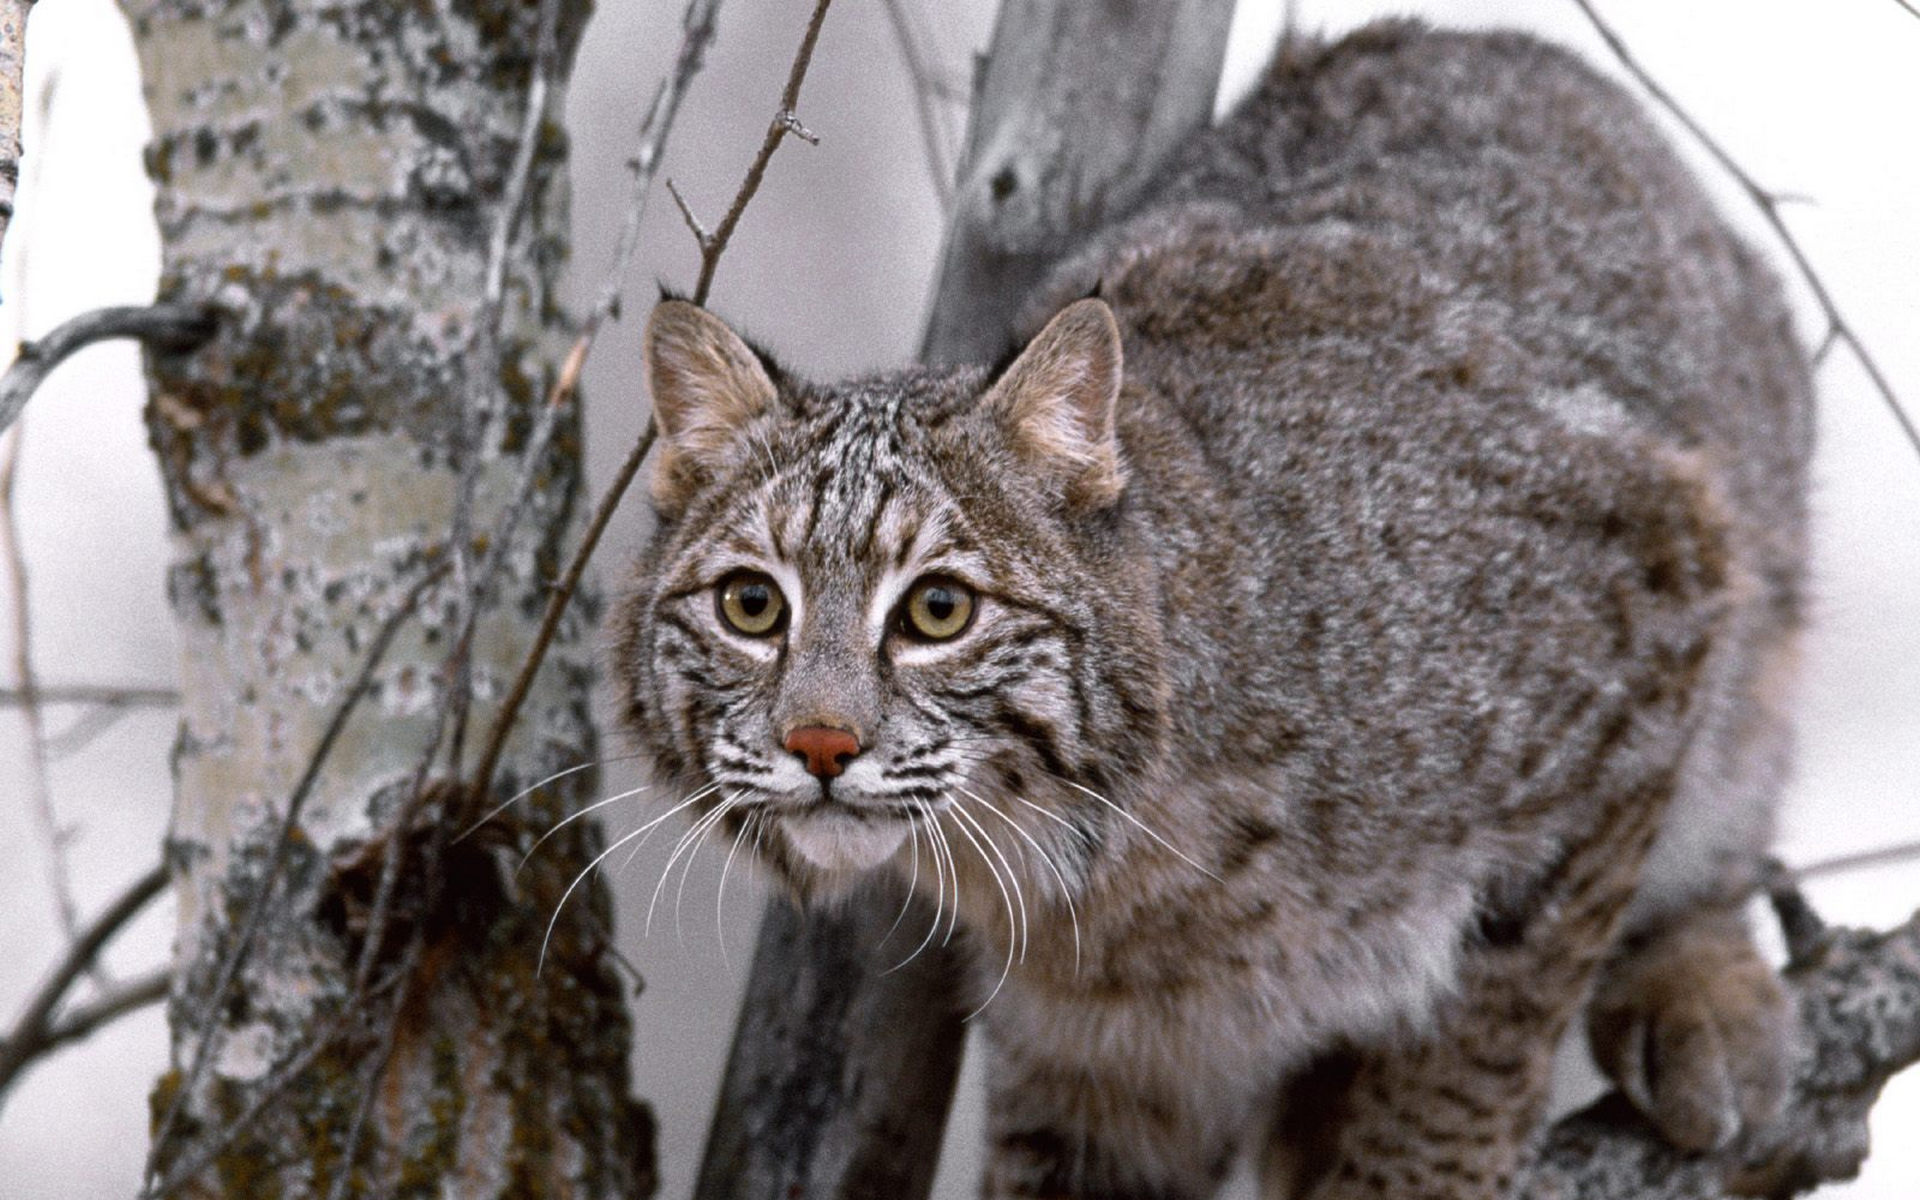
<point>1693,1026</point>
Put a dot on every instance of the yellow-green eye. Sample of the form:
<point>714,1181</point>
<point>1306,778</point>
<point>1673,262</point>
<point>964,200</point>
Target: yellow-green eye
<point>752,604</point>
<point>938,609</point>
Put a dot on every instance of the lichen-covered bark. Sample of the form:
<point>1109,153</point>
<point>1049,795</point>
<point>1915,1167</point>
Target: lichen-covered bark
<point>328,174</point>
<point>1856,995</point>
<point>13,89</point>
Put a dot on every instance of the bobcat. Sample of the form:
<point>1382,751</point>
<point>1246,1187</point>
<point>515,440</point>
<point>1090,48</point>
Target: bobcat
<point>1326,657</point>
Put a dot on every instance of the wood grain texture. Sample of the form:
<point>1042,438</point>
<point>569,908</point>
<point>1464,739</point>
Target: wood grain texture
<point>1078,108</point>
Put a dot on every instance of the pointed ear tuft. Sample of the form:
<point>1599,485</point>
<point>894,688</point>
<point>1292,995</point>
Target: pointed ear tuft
<point>707,386</point>
<point>1056,403</point>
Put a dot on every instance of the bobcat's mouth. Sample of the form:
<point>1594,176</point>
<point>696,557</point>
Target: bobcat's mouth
<point>837,836</point>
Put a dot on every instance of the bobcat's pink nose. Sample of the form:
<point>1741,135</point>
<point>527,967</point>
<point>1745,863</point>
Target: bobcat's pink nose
<point>825,749</point>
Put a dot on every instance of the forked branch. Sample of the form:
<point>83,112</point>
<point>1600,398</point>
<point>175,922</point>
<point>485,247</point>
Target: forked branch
<point>1838,329</point>
<point>785,121</point>
<point>712,246</point>
<point>36,1032</point>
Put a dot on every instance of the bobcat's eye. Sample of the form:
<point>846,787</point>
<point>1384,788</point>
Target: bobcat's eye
<point>752,604</point>
<point>938,609</point>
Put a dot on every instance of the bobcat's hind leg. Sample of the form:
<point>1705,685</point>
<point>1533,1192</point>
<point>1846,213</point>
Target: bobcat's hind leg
<point>1692,1025</point>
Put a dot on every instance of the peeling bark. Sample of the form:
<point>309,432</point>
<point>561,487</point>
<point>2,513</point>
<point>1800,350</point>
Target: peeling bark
<point>328,175</point>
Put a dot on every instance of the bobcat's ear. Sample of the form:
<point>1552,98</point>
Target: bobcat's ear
<point>707,385</point>
<point>1057,399</point>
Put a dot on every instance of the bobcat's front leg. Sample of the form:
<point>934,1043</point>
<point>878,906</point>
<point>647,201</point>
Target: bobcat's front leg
<point>1057,1131</point>
<point>1450,1116</point>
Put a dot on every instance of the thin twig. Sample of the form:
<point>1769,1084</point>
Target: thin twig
<point>1769,206</point>
<point>206,1014</point>
<point>699,26</point>
<point>785,121</point>
<point>934,134</point>
<point>99,695</point>
<point>520,174</point>
<point>1843,863</point>
<point>711,248</point>
<point>171,328</point>
<point>29,1037</point>
<point>1908,6</point>
<point>557,604</point>
<point>376,1066</point>
<point>477,413</point>
<point>45,822</point>
<point>110,1006</point>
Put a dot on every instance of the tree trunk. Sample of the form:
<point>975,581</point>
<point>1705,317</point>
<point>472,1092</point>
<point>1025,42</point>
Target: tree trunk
<point>13,99</point>
<point>329,176</point>
<point>1080,106</point>
<point>840,1077</point>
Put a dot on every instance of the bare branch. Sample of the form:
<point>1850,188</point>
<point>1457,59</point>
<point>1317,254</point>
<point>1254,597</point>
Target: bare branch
<point>117,1002</point>
<point>46,824</point>
<point>95,694</point>
<point>205,1019</point>
<point>1840,864</point>
<point>1906,4</point>
<point>170,328</point>
<point>520,174</point>
<point>34,1028</point>
<point>376,1066</point>
<point>700,234</point>
<point>783,123</point>
<point>699,26</point>
<point>935,139</point>
<point>482,401</point>
<point>556,608</point>
<point>1769,206</point>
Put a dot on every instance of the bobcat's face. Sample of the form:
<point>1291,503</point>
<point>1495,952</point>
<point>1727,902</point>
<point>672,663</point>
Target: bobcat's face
<point>869,607</point>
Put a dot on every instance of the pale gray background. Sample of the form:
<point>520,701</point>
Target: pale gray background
<point>830,269</point>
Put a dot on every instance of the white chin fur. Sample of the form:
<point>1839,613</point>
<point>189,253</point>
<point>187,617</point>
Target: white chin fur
<point>835,841</point>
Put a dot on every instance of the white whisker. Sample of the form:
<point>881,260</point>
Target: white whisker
<point>1013,878</point>
<point>697,829</point>
<point>1066,893</point>
<point>686,869</point>
<point>571,817</point>
<point>522,795</point>
<point>701,794</point>
<point>1012,929</point>
<point>913,832</point>
<point>939,889</point>
<point>953,873</point>
<point>585,871</point>
<point>1135,821</point>
<point>720,897</point>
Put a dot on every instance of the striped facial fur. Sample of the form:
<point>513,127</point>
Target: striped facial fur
<point>864,600</point>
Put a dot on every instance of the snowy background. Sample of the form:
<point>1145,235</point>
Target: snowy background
<point>831,269</point>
